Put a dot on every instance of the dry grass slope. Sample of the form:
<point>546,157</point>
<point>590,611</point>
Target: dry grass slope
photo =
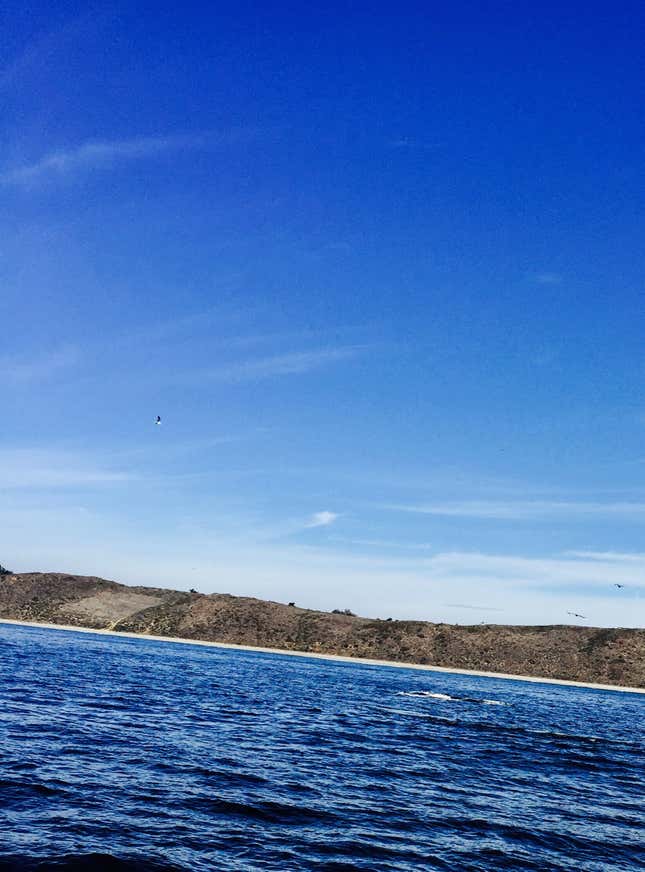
<point>608,656</point>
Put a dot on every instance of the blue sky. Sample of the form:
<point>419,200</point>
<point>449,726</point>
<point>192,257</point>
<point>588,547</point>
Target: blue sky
<point>380,271</point>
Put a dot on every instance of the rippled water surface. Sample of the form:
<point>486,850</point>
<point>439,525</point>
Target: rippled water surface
<point>124,753</point>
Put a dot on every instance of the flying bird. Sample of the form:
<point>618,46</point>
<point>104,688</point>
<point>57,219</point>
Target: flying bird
<point>158,421</point>
<point>576,615</point>
<point>619,585</point>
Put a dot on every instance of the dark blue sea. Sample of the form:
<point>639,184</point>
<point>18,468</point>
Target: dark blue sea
<point>120,753</point>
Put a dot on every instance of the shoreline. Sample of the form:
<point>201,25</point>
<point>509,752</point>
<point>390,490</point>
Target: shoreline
<point>362,661</point>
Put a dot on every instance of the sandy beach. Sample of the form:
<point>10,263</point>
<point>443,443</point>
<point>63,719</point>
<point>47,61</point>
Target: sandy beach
<point>336,657</point>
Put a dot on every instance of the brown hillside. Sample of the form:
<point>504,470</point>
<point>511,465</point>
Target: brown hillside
<point>610,656</point>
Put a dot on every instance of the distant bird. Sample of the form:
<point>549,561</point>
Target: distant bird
<point>619,585</point>
<point>576,615</point>
<point>158,421</point>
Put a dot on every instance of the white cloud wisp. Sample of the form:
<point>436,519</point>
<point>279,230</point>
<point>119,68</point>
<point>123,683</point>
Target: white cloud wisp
<point>293,363</point>
<point>321,519</point>
<point>39,469</point>
<point>96,155</point>
<point>527,510</point>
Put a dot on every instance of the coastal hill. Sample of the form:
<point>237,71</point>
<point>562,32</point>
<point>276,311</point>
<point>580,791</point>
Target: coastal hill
<point>608,656</point>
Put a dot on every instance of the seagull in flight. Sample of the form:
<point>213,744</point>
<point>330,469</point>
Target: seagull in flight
<point>576,615</point>
<point>619,585</point>
<point>158,421</point>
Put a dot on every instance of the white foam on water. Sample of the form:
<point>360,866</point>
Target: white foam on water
<point>444,697</point>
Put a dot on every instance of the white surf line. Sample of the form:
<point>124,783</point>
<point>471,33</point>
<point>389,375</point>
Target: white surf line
<point>340,658</point>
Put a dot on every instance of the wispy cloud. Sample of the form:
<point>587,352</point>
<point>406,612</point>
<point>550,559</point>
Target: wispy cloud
<point>532,571</point>
<point>547,278</point>
<point>609,556</point>
<point>100,154</point>
<point>25,468</point>
<point>406,142</point>
<point>473,608</point>
<point>181,326</point>
<point>293,363</point>
<point>385,544</point>
<point>20,369</point>
<point>322,519</point>
<point>530,510</point>
<point>481,571</point>
<point>224,326</point>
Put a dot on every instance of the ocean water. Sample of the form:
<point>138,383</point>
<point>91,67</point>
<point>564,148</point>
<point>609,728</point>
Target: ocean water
<point>130,754</point>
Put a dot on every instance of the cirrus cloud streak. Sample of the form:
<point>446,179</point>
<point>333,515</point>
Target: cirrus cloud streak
<point>100,154</point>
<point>527,510</point>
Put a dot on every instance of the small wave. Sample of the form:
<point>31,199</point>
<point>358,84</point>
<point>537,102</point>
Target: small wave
<point>552,734</point>
<point>409,713</point>
<point>19,789</point>
<point>84,863</point>
<point>561,742</point>
<point>267,811</point>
